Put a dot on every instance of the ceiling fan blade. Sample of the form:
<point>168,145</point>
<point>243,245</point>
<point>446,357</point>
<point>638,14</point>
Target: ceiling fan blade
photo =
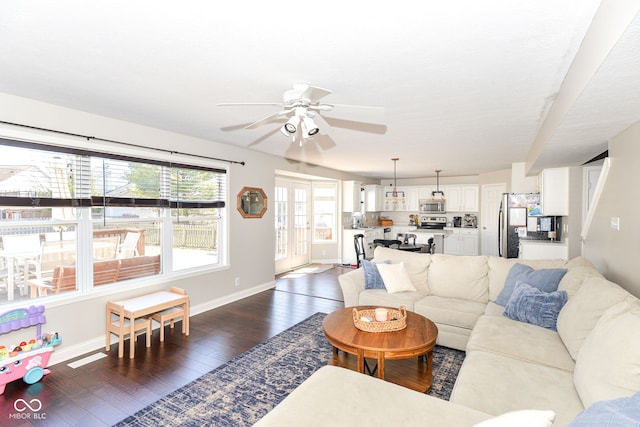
<point>314,94</point>
<point>244,104</point>
<point>357,107</point>
<point>356,125</point>
<point>325,142</point>
<point>322,124</point>
<point>264,137</point>
<point>269,119</point>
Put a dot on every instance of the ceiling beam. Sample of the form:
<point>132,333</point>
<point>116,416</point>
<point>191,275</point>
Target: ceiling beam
<point>609,23</point>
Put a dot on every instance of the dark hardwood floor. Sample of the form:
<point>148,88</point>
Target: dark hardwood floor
<point>107,390</point>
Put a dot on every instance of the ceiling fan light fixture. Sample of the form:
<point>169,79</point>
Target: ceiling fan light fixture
<point>290,127</point>
<point>309,127</point>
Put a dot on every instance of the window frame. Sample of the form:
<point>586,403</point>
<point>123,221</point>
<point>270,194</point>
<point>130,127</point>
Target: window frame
<point>84,222</point>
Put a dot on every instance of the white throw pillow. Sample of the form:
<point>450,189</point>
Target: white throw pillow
<point>395,278</point>
<point>523,418</point>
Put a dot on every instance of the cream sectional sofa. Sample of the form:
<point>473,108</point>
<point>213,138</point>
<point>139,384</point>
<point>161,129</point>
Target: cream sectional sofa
<point>593,356</point>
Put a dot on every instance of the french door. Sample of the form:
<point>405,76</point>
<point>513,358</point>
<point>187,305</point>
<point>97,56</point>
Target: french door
<point>292,216</point>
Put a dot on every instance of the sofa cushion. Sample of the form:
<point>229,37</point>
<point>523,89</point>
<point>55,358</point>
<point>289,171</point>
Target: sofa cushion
<point>524,417</point>
<point>575,277</point>
<point>450,311</point>
<point>545,279</point>
<point>416,264</point>
<point>581,312</point>
<point>380,297</point>
<point>463,277</point>
<point>621,412</point>
<point>520,341</point>
<point>608,364</point>
<point>337,396</point>
<point>497,384</point>
<point>372,278</point>
<point>395,278</point>
<point>531,305</point>
<point>493,309</point>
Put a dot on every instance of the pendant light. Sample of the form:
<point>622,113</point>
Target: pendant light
<point>438,194</point>
<point>392,198</point>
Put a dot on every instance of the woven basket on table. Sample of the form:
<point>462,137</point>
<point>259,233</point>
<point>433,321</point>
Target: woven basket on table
<point>400,322</point>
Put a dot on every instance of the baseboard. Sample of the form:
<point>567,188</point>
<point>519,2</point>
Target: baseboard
<point>326,261</point>
<point>62,354</point>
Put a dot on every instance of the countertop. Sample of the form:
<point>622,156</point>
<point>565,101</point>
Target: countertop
<point>429,231</point>
<point>543,242</point>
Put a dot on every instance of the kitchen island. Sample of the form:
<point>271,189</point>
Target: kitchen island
<point>544,249</point>
<point>424,234</point>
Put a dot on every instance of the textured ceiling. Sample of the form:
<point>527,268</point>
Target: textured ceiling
<point>466,85</point>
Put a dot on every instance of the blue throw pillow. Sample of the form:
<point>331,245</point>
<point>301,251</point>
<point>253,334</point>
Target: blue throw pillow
<point>372,277</point>
<point>622,412</point>
<point>531,305</point>
<point>545,279</point>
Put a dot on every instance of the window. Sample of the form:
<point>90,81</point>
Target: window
<point>72,220</point>
<point>324,212</point>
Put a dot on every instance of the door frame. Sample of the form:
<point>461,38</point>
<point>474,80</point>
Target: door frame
<point>298,244</point>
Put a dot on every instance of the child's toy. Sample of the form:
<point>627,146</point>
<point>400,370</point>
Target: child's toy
<point>27,360</point>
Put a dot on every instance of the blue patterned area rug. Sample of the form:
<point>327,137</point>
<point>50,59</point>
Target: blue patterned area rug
<point>243,390</point>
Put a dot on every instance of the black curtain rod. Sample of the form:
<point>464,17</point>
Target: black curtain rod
<point>88,138</point>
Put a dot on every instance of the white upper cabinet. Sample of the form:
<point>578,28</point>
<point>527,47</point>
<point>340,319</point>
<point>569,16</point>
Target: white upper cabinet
<point>425,192</point>
<point>554,191</point>
<point>461,198</point>
<point>373,198</point>
<point>352,196</point>
<point>413,196</point>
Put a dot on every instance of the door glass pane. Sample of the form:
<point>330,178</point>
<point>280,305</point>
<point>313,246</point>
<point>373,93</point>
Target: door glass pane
<point>300,220</point>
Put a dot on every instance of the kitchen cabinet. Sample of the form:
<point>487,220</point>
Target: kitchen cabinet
<point>554,191</point>
<point>461,241</point>
<point>542,249</point>
<point>373,198</point>
<point>461,198</point>
<point>370,235</point>
<point>352,196</point>
<point>413,198</point>
<point>425,192</point>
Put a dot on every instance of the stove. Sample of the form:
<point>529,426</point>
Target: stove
<point>432,222</point>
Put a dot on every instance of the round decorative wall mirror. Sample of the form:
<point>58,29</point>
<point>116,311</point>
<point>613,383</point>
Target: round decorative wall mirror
<point>252,202</point>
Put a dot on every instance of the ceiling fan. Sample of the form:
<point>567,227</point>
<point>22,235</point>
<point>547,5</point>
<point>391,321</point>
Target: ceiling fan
<point>301,107</point>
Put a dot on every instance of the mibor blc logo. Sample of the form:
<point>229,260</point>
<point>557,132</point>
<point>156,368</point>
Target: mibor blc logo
<point>28,409</point>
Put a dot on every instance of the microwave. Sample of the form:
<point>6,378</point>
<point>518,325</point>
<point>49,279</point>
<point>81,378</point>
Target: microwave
<point>432,206</point>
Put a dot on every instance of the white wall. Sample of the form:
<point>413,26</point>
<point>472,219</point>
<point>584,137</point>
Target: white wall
<point>251,248</point>
<point>616,253</point>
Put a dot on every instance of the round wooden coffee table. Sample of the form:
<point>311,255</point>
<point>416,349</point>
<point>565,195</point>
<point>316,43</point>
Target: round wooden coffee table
<point>398,347</point>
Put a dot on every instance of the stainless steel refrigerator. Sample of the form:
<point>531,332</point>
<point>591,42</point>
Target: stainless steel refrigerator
<point>515,210</point>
